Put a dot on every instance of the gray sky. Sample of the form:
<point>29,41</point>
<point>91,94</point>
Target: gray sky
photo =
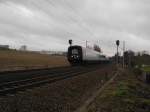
<point>48,24</point>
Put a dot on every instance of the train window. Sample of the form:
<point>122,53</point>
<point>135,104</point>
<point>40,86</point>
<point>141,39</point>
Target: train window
<point>74,51</point>
<point>102,56</point>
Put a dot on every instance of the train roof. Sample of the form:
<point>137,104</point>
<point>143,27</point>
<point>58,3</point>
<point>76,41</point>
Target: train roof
<point>74,46</point>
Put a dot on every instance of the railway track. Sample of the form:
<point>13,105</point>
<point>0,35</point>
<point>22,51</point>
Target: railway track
<point>23,80</point>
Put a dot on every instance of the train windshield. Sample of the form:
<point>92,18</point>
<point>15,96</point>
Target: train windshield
<point>75,51</point>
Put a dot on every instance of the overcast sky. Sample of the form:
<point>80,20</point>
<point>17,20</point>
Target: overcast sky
<point>48,24</point>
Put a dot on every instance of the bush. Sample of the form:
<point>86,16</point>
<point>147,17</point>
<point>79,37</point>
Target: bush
<point>137,71</point>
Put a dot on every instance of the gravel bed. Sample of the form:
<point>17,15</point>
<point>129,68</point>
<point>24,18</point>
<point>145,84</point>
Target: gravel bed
<point>62,96</point>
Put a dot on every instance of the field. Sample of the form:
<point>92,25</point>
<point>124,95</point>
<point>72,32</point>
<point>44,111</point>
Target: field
<point>12,60</point>
<point>146,68</point>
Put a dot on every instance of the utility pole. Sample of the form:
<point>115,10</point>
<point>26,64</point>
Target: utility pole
<point>117,55</point>
<point>123,54</point>
<point>117,43</point>
<point>86,43</point>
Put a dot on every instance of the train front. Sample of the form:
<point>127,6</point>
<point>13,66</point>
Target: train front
<point>75,55</point>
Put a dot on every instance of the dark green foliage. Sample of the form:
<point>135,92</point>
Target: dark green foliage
<point>145,59</point>
<point>137,71</point>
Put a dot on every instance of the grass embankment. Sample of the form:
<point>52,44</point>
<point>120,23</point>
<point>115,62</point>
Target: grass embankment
<point>10,59</point>
<point>125,94</point>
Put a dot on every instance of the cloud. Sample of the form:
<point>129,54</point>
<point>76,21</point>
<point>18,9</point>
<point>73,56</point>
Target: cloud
<point>48,24</point>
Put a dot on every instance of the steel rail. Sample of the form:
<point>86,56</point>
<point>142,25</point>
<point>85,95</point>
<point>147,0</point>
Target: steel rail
<point>15,86</point>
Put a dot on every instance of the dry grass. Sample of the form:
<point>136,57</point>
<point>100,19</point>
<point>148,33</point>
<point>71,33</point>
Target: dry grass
<point>16,59</point>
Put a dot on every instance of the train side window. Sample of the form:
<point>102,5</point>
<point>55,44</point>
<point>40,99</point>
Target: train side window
<point>102,56</point>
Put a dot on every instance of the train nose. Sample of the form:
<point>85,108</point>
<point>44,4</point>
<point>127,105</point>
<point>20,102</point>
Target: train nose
<point>75,57</point>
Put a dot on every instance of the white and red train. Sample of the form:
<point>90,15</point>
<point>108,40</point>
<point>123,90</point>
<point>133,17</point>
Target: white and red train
<point>81,55</point>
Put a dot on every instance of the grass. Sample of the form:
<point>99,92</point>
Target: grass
<point>146,68</point>
<point>10,59</point>
<point>126,94</point>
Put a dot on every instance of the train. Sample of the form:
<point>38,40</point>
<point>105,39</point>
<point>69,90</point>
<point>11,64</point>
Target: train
<point>80,55</point>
